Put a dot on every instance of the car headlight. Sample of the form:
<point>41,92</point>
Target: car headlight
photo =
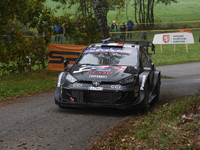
<point>70,78</point>
<point>131,79</point>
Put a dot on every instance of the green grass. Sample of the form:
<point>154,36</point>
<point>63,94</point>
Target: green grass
<point>161,128</point>
<point>184,10</point>
<point>62,9</point>
<point>15,85</point>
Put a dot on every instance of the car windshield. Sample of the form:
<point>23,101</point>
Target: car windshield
<point>124,57</point>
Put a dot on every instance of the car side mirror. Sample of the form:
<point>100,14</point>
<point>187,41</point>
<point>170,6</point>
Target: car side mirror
<point>65,63</point>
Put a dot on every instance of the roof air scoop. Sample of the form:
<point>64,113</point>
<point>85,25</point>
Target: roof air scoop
<point>105,40</point>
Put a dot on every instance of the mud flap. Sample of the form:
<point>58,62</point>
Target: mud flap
<point>142,84</point>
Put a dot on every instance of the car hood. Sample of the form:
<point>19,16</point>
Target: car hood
<point>102,73</point>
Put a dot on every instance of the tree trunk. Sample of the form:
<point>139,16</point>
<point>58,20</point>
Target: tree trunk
<point>143,14</point>
<point>101,19</point>
<point>136,11</point>
<point>147,17</point>
<point>152,15</point>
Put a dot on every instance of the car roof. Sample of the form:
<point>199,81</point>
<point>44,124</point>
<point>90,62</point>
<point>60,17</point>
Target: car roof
<point>123,44</point>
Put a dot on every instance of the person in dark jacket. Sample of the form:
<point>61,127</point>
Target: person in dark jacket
<point>60,32</point>
<point>56,30</point>
<point>123,29</point>
<point>130,25</point>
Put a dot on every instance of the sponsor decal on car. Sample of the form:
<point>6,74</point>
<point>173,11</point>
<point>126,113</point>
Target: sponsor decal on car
<point>96,69</point>
<point>110,50</point>
<point>83,69</point>
<point>116,86</point>
<point>98,76</point>
<point>91,68</point>
<point>77,85</point>
<point>95,88</point>
<point>120,68</point>
<point>99,72</point>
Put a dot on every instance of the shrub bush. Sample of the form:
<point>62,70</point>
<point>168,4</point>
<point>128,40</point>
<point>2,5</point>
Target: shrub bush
<point>15,50</point>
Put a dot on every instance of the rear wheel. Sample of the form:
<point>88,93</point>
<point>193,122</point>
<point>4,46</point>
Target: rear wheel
<point>156,99</point>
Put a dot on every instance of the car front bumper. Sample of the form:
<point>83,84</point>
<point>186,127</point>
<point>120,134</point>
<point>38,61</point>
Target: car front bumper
<point>127,97</point>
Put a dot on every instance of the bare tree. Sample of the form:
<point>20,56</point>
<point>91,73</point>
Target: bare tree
<point>144,11</point>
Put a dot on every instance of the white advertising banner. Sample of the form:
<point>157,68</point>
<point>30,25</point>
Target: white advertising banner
<point>174,38</point>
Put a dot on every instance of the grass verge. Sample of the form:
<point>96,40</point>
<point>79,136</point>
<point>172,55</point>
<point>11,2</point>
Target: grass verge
<point>161,128</point>
<point>15,85</point>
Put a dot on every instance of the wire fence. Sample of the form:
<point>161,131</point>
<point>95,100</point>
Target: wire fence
<point>142,35</point>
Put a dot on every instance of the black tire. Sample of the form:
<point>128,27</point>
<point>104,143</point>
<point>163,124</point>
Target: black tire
<point>156,99</point>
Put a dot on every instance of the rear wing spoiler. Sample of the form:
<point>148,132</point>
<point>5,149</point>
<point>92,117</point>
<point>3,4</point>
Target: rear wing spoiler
<point>142,43</point>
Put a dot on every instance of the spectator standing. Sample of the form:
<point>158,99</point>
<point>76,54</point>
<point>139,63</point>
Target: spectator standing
<point>24,31</point>
<point>123,29</point>
<point>5,36</point>
<point>48,32</point>
<point>60,32</point>
<point>130,25</point>
<point>40,31</point>
<point>114,27</point>
<point>56,30</point>
<point>67,31</point>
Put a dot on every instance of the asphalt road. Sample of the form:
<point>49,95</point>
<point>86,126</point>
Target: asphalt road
<point>186,80</point>
<point>37,123</point>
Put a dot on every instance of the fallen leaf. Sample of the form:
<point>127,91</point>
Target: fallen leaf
<point>40,136</point>
<point>21,143</point>
<point>123,140</point>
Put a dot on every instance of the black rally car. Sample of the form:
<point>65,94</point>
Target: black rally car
<point>110,74</point>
